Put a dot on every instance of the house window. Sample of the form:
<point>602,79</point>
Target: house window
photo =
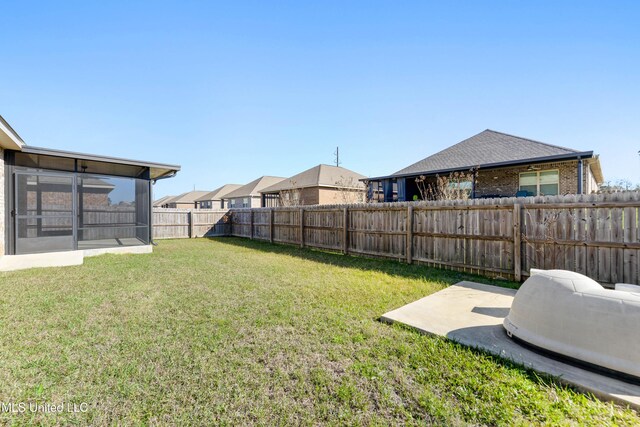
<point>458,188</point>
<point>290,197</point>
<point>245,202</point>
<point>375,193</point>
<point>232,203</point>
<point>271,200</point>
<point>540,183</point>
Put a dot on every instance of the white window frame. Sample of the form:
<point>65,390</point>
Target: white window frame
<point>538,179</point>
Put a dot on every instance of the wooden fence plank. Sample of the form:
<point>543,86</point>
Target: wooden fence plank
<point>251,224</point>
<point>271,226</point>
<point>345,231</point>
<point>593,234</point>
<point>517,243</point>
<point>409,238</point>
<point>301,227</point>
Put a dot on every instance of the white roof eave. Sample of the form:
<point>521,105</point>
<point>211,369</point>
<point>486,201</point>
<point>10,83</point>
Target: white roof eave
<point>9,139</point>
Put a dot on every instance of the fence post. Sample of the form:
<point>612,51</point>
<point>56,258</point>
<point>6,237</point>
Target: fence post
<point>345,231</point>
<point>251,224</point>
<point>301,227</point>
<point>271,226</point>
<point>517,242</point>
<point>190,216</point>
<point>409,248</point>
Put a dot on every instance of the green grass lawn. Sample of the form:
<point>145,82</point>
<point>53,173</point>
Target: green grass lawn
<point>230,331</point>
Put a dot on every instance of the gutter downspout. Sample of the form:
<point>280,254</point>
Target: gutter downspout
<point>580,175</point>
<point>473,182</point>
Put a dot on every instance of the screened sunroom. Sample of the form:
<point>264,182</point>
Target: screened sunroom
<point>63,201</point>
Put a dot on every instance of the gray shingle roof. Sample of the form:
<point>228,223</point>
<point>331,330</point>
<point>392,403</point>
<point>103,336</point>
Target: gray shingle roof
<point>319,176</point>
<point>254,187</point>
<point>486,148</point>
<point>161,201</point>
<point>219,192</point>
<point>188,197</point>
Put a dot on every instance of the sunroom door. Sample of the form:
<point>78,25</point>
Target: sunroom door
<point>44,218</point>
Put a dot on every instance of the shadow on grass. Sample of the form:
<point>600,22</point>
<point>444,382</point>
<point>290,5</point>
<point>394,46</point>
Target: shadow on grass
<point>388,266</point>
<point>540,378</point>
<point>413,271</point>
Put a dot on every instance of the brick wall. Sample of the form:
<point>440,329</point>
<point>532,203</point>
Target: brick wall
<point>506,181</point>
<point>62,199</point>
<point>328,196</point>
<point>191,205</point>
<point>95,200</point>
<point>331,196</point>
<point>254,202</point>
<point>309,196</point>
<point>2,218</point>
<point>304,196</point>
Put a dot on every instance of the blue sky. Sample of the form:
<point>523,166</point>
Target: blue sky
<point>235,90</point>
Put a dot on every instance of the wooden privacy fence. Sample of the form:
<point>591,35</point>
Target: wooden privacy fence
<point>189,223</point>
<point>596,235</point>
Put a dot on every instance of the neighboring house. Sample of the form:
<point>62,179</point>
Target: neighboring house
<point>213,200</point>
<point>79,204</point>
<point>497,165</point>
<point>184,201</point>
<point>320,185</point>
<point>161,202</point>
<point>248,196</point>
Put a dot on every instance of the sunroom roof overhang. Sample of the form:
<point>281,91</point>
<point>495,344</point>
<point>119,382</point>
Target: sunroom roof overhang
<point>9,138</point>
<point>520,162</point>
<point>156,170</point>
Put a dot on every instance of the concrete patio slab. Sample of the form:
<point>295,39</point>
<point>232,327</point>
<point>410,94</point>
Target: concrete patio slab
<point>65,259</point>
<point>52,259</point>
<point>472,314</point>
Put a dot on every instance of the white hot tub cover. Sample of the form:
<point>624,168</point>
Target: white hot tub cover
<point>574,316</point>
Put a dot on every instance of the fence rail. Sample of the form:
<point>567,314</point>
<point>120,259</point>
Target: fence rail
<point>596,235</point>
<point>189,223</point>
